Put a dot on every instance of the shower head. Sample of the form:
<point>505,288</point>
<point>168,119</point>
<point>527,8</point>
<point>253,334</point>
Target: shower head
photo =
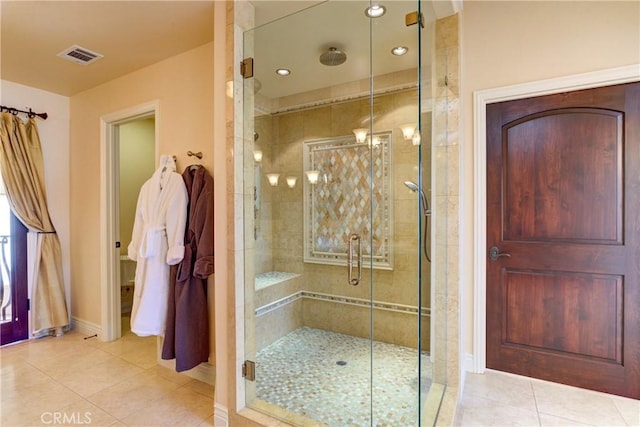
<point>414,187</point>
<point>333,57</point>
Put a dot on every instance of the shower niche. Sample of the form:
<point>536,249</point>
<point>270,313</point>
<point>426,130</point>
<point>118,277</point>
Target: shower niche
<point>338,292</point>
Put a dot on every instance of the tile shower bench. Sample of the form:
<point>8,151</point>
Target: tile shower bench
<point>278,303</point>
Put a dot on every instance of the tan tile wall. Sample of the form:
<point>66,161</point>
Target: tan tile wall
<point>263,260</point>
<point>278,323</point>
<point>281,141</point>
<point>446,207</point>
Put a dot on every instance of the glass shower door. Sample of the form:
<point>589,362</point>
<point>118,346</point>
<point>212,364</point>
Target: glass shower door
<point>334,275</point>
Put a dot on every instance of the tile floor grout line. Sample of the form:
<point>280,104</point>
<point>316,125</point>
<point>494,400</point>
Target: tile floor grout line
<point>535,401</point>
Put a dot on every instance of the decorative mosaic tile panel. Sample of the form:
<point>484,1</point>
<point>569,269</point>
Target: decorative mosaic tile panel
<point>353,195</point>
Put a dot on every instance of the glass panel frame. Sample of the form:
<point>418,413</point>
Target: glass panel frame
<point>269,125</point>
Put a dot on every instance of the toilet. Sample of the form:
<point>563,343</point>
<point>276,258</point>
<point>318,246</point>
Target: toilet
<point>126,296</point>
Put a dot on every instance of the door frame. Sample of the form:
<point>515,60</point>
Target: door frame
<point>109,222</point>
<point>481,98</point>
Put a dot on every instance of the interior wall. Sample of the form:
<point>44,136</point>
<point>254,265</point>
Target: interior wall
<point>183,87</point>
<point>54,137</point>
<point>137,163</point>
<point>506,43</point>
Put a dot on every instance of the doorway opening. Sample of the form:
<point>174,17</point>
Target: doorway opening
<point>481,100</point>
<point>129,151</point>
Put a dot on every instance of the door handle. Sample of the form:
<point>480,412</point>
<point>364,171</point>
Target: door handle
<point>494,253</point>
<point>353,237</point>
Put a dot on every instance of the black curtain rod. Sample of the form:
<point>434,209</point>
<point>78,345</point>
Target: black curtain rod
<point>31,114</point>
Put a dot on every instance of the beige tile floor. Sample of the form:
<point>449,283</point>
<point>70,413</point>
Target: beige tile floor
<point>499,399</point>
<point>73,381</point>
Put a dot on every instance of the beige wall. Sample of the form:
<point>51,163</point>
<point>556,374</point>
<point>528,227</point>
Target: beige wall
<point>506,43</point>
<point>183,87</point>
<point>137,163</point>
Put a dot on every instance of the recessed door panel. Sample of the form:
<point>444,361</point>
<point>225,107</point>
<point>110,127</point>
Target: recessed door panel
<point>563,172</point>
<point>559,312</point>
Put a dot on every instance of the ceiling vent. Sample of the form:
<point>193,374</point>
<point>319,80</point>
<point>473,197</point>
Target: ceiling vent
<point>80,55</point>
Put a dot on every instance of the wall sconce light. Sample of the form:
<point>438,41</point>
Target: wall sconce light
<point>361,135</point>
<point>415,139</point>
<point>374,141</point>
<point>257,156</point>
<point>291,181</point>
<point>273,178</point>
<point>408,130</point>
<point>312,176</point>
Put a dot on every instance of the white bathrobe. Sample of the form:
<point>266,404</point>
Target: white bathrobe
<point>157,242</point>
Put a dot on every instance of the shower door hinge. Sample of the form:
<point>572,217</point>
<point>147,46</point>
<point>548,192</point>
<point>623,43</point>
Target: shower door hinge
<point>246,68</point>
<point>249,370</point>
<point>414,18</point>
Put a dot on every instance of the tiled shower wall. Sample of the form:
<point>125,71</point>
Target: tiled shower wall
<point>446,123</point>
<point>280,219</point>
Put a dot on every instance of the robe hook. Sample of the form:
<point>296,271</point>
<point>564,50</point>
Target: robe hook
<point>198,154</point>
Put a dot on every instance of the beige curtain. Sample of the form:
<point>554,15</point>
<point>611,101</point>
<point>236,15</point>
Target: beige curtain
<point>22,171</point>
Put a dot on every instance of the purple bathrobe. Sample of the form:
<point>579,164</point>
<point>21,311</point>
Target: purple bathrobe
<point>187,329</point>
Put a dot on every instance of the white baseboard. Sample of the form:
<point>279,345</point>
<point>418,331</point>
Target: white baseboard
<point>468,363</point>
<point>85,328</point>
<point>220,415</point>
<point>203,372</point>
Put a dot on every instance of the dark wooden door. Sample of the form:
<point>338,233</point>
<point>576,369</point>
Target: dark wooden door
<point>13,279</point>
<point>563,202</point>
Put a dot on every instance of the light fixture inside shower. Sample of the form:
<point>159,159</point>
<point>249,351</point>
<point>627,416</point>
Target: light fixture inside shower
<point>291,181</point>
<point>273,178</point>
<point>361,135</point>
<point>408,130</point>
<point>375,11</point>
<point>312,176</point>
<point>283,72</point>
<point>257,156</point>
<point>374,141</point>
<point>399,50</point>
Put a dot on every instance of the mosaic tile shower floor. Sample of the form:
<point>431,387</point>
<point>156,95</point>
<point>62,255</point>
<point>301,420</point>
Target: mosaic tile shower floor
<point>300,372</point>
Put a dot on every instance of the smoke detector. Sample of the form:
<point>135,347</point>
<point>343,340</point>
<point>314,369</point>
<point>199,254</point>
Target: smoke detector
<point>80,55</point>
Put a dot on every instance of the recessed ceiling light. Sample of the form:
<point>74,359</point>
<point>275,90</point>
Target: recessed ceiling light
<point>375,11</point>
<point>399,50</point>
<point>283,72</point>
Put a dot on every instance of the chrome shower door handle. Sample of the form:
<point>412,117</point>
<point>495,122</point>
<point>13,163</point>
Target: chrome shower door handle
<point>353,237</point>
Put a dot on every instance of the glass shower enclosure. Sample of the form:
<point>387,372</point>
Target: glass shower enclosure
<point>337,217</point>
